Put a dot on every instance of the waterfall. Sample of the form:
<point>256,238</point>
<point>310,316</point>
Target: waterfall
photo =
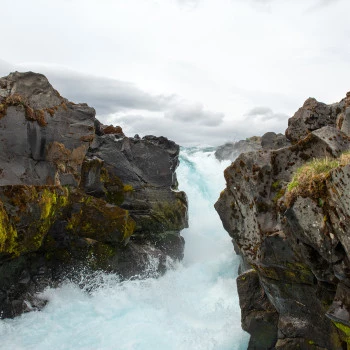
<point>194,306</point>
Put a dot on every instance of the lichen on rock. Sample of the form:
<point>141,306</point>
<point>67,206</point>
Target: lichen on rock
<point>287,211</point>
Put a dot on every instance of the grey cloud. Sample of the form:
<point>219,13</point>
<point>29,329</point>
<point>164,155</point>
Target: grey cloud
<point>5,68</point>
<point>187,134</point>
<point>194,113</point>
<point>106,95</point>
<point>188,3</point>
<point>138,112</point>
<point>265,113</point>
<point>109,96</point>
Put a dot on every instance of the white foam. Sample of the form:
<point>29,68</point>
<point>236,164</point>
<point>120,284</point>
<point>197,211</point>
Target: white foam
<point>194,306</point>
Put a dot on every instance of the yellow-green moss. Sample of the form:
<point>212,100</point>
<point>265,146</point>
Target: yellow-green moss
<point>345,330</point>
<point>275,185</point>
<point>33,209</point>
<point>8,234</point>
<point>128,188</point>
<point>309,179</point>
<point>129,227</point>
<point>99,220</point>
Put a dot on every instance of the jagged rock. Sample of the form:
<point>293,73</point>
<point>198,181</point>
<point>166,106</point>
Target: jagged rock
<point>76,195</point>
<point>259,317</point>
<point>345,125</point>
<point>44,138</point>
<point>312,116</point>
<point>140,176</point>
<point>270,140</point>
<point>298,248</point>
<point>231,150</point>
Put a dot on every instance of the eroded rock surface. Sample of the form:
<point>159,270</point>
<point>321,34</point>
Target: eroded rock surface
<point>76,194</point>
<point>294,282</point>
<point>270,140</point>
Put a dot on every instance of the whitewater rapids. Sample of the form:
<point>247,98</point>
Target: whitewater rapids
<point>194,306</point>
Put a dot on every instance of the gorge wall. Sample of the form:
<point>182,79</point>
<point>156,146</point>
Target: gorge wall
<point>294,238</point>
<point>76,194</point>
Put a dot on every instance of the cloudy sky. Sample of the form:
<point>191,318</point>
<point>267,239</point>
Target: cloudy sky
<point>196,71</point>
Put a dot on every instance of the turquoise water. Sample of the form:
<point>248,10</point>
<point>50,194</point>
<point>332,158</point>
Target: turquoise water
<point>193,306</point>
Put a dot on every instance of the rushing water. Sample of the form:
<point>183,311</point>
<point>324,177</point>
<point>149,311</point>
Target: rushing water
<point>193,306</point>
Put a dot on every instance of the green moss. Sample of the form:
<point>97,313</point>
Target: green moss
<point>99,220</point>
<point>345,330</point>
<point>128,188</point>
<point>309,179</point>
<point>293,184</point>
<point>8,233</point>
<point>291,273</point>
<point>114,187</point>
<point>275,185</point>
<point>33,210</point>
<point>279,195</point>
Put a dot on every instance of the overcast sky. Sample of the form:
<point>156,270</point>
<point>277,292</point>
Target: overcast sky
<point>205,71</point>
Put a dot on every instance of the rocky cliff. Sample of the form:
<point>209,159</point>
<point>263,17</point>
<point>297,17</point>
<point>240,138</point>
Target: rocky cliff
<point>288,213</point>
<point>76,194</point>
<point>231,150</point>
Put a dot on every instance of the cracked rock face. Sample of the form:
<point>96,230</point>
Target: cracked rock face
<point>78,195</point>
<point>44,137</point>
<point>295,279</point>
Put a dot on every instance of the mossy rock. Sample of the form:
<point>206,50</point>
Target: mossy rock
<point>95,219</point>
<point>26,215</point>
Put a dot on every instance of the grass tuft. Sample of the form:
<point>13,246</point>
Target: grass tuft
<point>309,179</point>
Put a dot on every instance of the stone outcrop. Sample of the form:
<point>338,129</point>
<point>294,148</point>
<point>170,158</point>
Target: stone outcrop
<point>294,277</point>
<point>270,140</point>
<point>76,194</point>
<point>312,116</point>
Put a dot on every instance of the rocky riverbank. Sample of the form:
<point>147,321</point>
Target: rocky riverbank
<point>289,217</point>
<point>78,194</point>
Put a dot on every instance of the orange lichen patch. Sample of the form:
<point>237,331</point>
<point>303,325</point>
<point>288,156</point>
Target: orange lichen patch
<point>57,152</point>
<point>40,117</point>
<point>35,115</point>
<point>3,109</point>
<point>51,111</point>
<point>30,113</point>
<point>16,100</point>
<point>78,154</point>
<point>113,130</point>
<point>66,160</point>
<point>87,138</point>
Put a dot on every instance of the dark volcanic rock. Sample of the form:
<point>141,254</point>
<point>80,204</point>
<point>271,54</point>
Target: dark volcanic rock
<point>270,140</point>
<point>44,138</point>
<point>76,195</point>
<point>296,296</point>
<point>312,116</point>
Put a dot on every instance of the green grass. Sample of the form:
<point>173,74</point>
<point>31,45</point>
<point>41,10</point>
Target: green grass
<point>309,179</point>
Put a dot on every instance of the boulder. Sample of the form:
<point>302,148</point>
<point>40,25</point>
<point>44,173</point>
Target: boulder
<point>78,197</point>
<point>44,137</point>
<point>312,116</point>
